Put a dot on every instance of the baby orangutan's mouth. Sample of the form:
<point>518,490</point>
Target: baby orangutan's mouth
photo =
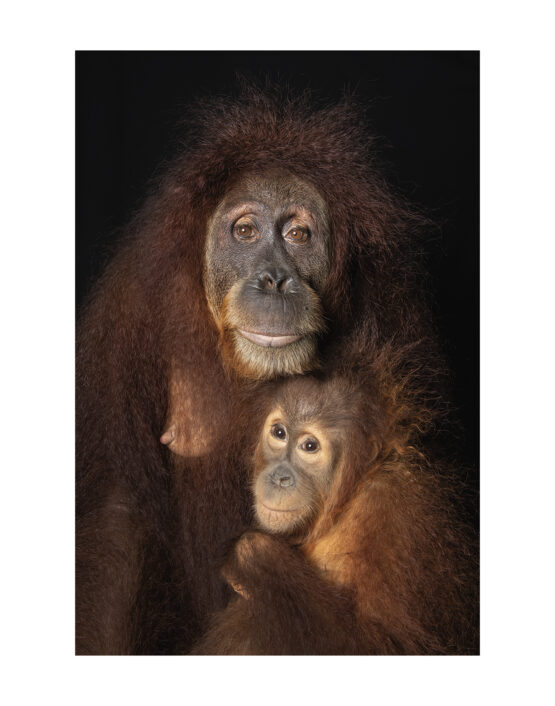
<point>267,341</point>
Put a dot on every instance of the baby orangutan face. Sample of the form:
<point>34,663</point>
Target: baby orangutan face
<point>295,463</point>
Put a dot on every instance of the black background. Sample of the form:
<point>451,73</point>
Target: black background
<point>424,106</point>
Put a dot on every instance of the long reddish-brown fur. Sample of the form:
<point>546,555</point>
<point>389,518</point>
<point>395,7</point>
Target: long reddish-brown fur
<point>152,530</point>
<point>385,566</point>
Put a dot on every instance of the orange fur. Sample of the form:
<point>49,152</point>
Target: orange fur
<point>148,315</point>
<point>387,552</point>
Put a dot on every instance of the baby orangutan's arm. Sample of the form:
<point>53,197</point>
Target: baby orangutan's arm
<point>283,607</point>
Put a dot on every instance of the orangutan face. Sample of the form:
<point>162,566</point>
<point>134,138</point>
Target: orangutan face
<point>266,262</point>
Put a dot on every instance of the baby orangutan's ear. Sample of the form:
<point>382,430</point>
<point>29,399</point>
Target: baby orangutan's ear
<point>240,590</point>
<point>228,576</point>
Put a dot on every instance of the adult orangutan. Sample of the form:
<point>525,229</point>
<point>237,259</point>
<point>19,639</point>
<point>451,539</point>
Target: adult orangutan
<point>358,548</point>
<point>270,247</point>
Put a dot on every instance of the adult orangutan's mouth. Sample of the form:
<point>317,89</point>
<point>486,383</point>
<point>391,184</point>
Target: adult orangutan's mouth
<point>272,509</point>
<point>262,339</point>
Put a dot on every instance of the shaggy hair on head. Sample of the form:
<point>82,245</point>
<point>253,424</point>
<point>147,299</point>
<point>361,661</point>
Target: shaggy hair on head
<point>152,528</point>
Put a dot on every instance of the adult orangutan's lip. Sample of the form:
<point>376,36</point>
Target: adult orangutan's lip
<point>268,341</point>
<point>273,509</point>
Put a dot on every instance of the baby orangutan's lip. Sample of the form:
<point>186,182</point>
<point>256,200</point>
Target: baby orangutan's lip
<point>268,341</point>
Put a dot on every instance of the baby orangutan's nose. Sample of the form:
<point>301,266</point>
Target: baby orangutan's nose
<point>283,476</point>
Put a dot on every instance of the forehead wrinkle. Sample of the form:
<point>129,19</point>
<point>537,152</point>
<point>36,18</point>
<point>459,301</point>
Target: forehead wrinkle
<point>281,186</point>
<point>308,411</point>
<point>276,414</point>
<point>301,410</point>
<point>237,207</point>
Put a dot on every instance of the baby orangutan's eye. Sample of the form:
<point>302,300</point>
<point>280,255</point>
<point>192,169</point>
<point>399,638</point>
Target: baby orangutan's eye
<point>278,431</point>
<point>310,445</point>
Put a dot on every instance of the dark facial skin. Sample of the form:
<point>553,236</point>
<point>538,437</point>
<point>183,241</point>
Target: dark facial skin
<point>266,263</point>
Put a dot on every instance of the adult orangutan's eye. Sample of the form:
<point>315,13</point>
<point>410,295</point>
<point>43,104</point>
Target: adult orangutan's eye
<point>297,234</point>
<point>245,231</point>
<point>278,431</point>
<point>310,445</point>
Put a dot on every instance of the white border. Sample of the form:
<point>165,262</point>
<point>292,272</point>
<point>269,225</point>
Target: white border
<point>38,41</point>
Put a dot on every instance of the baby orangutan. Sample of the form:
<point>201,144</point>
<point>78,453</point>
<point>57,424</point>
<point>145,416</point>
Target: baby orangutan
<point>357,550</point>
